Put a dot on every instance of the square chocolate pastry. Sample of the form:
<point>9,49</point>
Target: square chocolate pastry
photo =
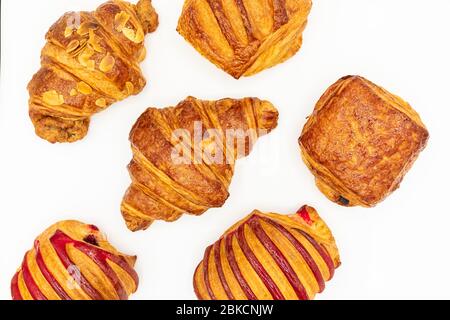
<point>361,141</point>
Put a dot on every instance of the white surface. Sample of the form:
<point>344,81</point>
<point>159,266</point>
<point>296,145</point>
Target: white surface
<point>397,250</point>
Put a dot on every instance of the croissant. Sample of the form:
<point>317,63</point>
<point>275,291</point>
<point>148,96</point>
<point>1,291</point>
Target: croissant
<point>74,261</point>
<point>269,256</point>
<point>210,136</point>
<point>361,141</point>
<point>244,37</point>
<point>90,61</point>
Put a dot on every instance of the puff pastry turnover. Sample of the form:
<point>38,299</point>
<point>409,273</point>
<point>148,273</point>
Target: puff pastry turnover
<point>361,141</point>
<point>164,188</point>
<point>244,37</point>
<point>90,61</point>
<point>269,256</point>
<point>74,261</point>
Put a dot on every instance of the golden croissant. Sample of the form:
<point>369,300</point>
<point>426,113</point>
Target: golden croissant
<point>74,261</point>
<point>361,141</point>
<point>90,61</point>
<point>269,256</point>
<point>244,37</point>
<point>184,156</point>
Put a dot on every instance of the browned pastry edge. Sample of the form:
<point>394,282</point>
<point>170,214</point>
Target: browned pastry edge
<point>361,141</point>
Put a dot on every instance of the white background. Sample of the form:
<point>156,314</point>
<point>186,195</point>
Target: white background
<point>399,249</point>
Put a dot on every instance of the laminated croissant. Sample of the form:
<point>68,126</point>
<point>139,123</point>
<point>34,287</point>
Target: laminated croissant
<point>74,261</point>
<point>244,37</point>
<point>90,61</point>
<point>361,141</point>
<point>269,256</point>
<point>210,136</point>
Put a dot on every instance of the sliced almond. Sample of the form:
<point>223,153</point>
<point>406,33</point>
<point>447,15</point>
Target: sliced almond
<point>73,92</point>
<point>101,102</point>
<point>130,34</point>
<point>107,63</point>
<point>142,54</point>
<point>120,20</point>
<point>53,98</point>
<point>85,58</point>
<point>93,41</point>
<point>84,88</point>
<point>73,45</point>
<point>85,27</point>
<point>130,87</point>
<point>139,36</point>
<point>91,65</point>
<point>68,32</point>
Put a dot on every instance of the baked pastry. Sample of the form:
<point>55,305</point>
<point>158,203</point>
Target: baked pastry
<point>184,156</point>
<point>269,256</point>
<point>74,261</point>
<point>244,37</point>
<point>361,141</point>
<point>90,61</point>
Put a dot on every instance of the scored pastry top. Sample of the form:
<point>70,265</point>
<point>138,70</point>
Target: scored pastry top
<point>360,141</point>
<point>244,37</point>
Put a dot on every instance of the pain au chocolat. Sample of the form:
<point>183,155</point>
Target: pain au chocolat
<point>90,61</point>
<point>269,256</point>
<point>74,261</point>
<point>166,186</point>
<point>244,37</point>
<point>360,142</point>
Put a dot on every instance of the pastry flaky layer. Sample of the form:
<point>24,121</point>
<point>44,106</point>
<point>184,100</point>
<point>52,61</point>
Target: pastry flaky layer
<point>211,135</point>
<point>74,261</point>
<point>269,256</point>
<point>361,141</point>
<point>244,37</point>
<point>90,61</point>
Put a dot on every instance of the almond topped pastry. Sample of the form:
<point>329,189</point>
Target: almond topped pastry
<point>269,256</point>
<point>90,61</point>
<point>74,261</point>
<point>244,37</point>
<point>361,141</point>
<point>184,156</point>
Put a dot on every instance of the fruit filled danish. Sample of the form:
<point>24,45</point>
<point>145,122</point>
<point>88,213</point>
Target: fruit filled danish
<point>74,261</point>
<point>269,256</point>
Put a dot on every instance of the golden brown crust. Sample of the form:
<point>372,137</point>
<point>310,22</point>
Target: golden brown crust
<point>90,61</point>
<point>269,256</point>
<point>163,189</point>
<point>360,142</point>
<point>74,261</point>
<point>244,37</point>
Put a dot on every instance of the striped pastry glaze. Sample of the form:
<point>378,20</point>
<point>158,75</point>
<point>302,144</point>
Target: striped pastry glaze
<point>269,256</point>
<point>74,261</point>
<point>244,37</point>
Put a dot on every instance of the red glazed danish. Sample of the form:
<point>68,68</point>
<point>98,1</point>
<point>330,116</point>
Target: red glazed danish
<point>269,256</point>
<point>74,261</point>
